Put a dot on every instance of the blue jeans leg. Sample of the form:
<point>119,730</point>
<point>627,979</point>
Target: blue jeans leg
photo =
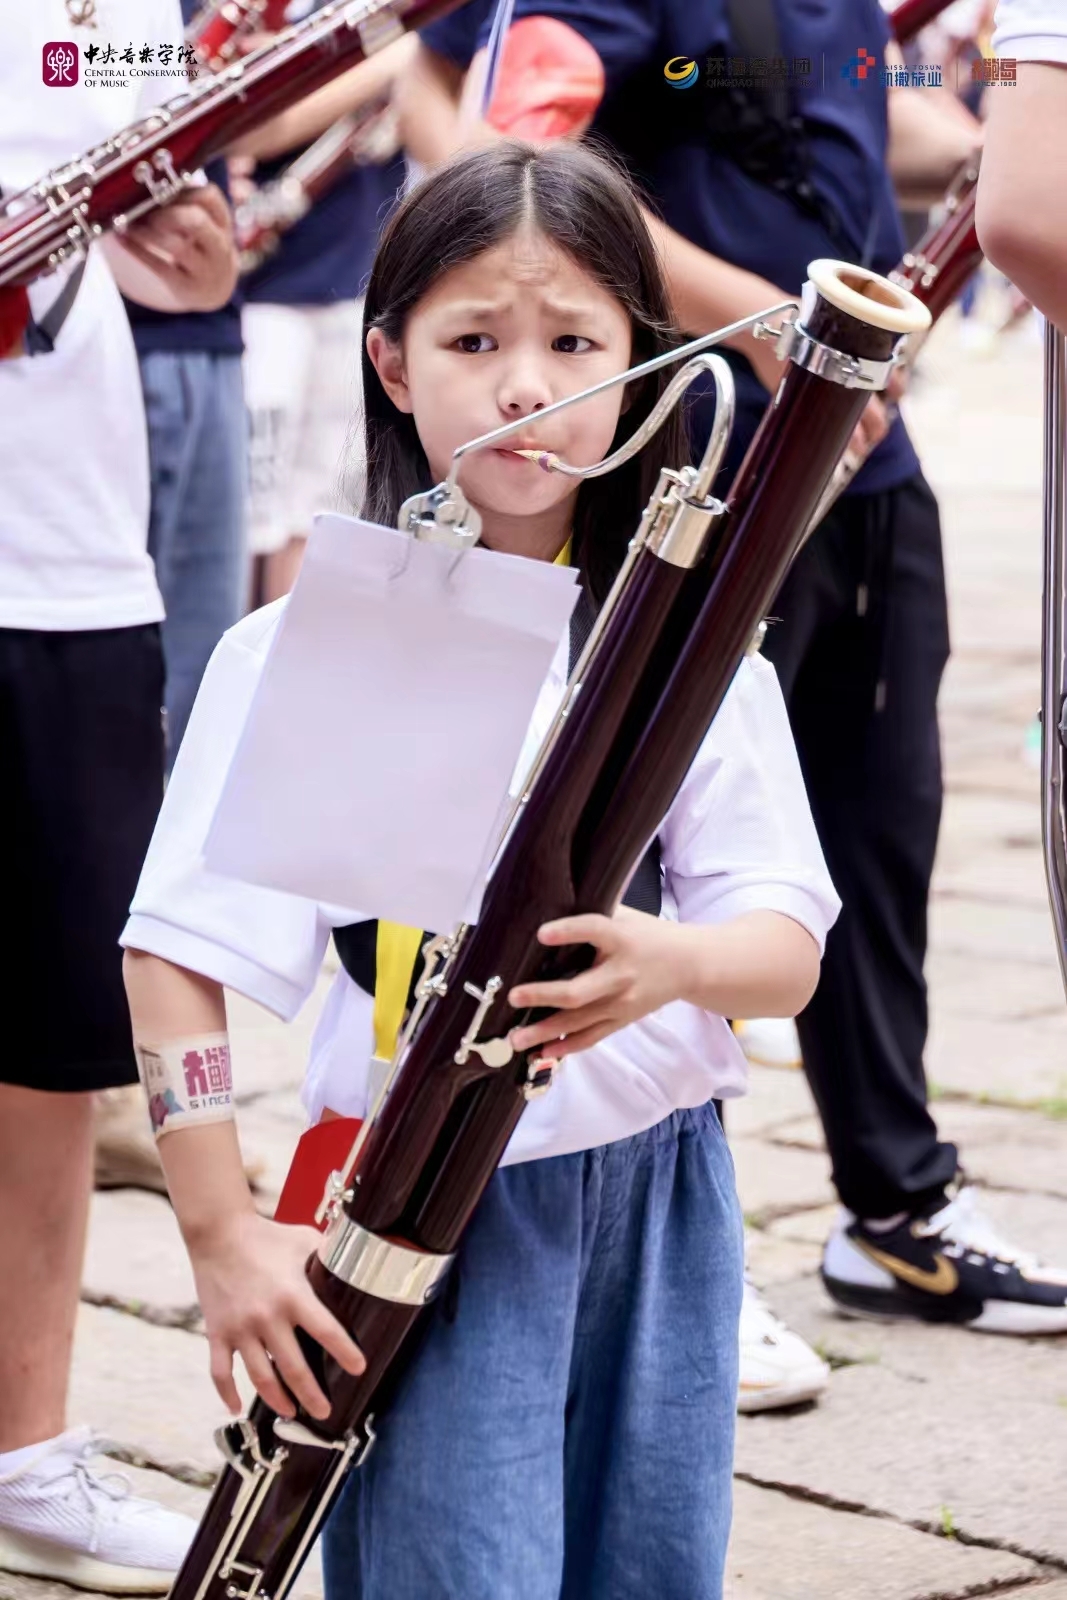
<point>198,451</point>
<point>653,1394</point>
<point>567,1428</point>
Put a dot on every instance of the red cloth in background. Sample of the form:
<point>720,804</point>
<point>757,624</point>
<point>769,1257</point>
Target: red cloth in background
<point>550,82</point>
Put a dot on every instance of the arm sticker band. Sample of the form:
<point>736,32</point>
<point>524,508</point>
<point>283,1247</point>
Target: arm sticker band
<point>187,1081</point>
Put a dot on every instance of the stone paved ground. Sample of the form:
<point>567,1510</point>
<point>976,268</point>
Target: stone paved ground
<point>936,1468</point>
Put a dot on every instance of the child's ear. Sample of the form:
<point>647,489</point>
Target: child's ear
<point>387,359</point>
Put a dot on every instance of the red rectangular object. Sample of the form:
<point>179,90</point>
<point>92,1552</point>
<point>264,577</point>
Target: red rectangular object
<point>322,1149</point>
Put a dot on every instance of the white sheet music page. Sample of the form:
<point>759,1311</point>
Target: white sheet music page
<point>374,765</point>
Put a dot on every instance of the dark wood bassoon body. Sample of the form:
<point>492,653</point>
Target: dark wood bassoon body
<point>648,695</point>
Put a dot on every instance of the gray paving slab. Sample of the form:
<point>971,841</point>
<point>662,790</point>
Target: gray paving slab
<point>975,1055</point>
<point>776,1095</point>
<point>805,1227</point>
<point>927,1424</point>
<point>773,1259</point>
<point>1000,1149</point>
<point>146,1387</point>
<point>982,926</point>
<point>1008,1149</point>
<point>997,987</point>
<point>789,1549</point>
<point>772,1179</point>
<point>970,820</point>
<point>135,1252</point>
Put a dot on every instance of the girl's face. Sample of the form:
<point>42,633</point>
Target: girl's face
<point>502,336</point>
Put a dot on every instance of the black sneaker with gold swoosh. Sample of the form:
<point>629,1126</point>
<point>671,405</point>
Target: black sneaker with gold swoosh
<point>948,1266</point>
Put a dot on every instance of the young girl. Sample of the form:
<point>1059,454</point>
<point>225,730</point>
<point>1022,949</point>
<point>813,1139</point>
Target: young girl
<point>567,1428</point>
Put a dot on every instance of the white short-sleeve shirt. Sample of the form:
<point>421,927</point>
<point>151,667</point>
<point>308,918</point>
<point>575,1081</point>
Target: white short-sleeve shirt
<point>73,447</point>
<point>1031,30</point>
<point>739,837</point>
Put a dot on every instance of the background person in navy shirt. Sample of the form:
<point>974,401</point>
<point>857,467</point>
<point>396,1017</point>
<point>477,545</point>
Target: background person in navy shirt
<point>751,186</point>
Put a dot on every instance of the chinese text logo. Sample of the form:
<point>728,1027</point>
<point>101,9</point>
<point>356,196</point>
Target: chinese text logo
<point>990,69</point>
<point>59,64</point>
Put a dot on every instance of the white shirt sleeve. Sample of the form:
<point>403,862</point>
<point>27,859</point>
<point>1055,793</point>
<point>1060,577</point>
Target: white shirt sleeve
<point>740,836</point>
<point>1031,30</point>
<point>264,943</point>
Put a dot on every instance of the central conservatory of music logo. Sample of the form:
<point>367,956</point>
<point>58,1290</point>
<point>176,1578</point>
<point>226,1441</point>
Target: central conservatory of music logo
<point>59,64</point>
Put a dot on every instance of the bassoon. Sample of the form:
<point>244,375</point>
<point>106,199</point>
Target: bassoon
<point>935,270</point>
<point>151,162</point>
<point>696,582</point>
<point>365,137</point>
<point>218,29</point>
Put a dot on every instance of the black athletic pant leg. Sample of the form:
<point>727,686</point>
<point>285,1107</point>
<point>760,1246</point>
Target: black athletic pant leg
<point>860,647</point>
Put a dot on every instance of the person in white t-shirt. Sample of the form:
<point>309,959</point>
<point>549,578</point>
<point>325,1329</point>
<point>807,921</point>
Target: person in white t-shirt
<point>610,1242</point>
<point>1022,198</point>
<point>81,753</point>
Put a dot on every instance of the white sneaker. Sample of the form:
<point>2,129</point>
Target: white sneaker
<point>777,1367</point>
<point>59,1519</point>
<point>769,1041</point>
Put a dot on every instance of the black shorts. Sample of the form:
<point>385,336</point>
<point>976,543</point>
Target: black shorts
<point>81,780</point>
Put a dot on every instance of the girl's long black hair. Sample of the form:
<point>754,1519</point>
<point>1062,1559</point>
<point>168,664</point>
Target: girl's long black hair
<point>584,204</point>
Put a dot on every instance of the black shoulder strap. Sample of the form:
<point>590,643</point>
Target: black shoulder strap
<point>754,29</point>
<point>760,127</point>
<point>41,334</point>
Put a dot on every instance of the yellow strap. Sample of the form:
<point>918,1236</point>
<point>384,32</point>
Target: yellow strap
<point>396,953</point>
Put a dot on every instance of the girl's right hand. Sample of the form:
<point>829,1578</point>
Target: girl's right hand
<point>253,1289</point>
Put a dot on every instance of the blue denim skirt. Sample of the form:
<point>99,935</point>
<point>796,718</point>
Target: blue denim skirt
<point>567,1430</point>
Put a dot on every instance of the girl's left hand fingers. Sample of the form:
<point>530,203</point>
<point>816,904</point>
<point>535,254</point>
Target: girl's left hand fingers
<point>564,994</point>
<point>589,929</point>
<point>551,1029</point>
<point>585,1039</point>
